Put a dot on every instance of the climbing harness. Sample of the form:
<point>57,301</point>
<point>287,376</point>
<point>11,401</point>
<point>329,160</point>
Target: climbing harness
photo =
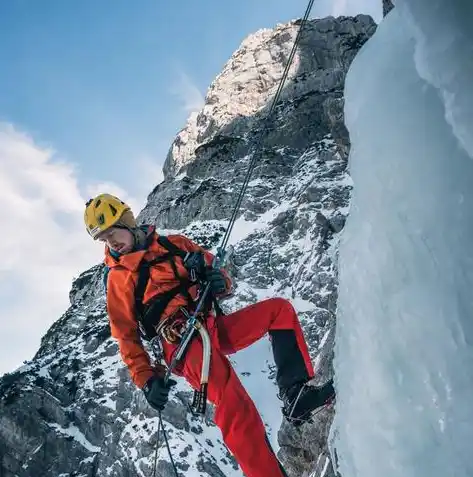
<point>199,401</point>
<point>148,315</point>
<point>152,328</point>
<point>193,323</point>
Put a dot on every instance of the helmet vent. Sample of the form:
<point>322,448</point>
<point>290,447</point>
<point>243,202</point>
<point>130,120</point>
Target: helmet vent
<point>101,219</point>
<point>98,203</point>
<point>112,208</point>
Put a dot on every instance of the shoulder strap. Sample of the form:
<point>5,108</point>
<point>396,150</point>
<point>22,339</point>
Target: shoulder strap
<point>160,302</point>
<point>143,278</point>
<point>167,244</point>
<point>140,288</point>
<point>171,247</point>
<point>174,250</point>
<point>106,271</point>
<point>147,315</point>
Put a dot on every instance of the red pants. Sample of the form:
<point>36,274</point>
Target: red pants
<point>236,415</point>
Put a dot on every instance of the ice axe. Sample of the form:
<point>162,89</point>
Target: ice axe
<point>192,325</point>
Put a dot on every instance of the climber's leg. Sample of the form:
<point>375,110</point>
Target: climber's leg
<point>242,428</point>
<point>277,317</point>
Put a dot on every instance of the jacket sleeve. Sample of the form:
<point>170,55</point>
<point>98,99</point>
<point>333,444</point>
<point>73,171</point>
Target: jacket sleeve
<point>190,246</point>
<point>124,327</point>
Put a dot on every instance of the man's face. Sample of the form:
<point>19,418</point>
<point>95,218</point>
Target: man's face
<point>118,239</point>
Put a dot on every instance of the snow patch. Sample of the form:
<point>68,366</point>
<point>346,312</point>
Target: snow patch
<point>76,434</point>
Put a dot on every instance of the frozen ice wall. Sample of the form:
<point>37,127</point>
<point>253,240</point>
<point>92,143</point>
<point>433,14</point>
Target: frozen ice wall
<point>404,351</point>
<point>443,30</point>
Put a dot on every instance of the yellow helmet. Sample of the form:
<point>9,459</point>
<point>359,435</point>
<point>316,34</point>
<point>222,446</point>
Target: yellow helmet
<point>103,212</point>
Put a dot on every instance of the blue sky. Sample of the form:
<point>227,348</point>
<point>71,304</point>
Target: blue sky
<point>111,81</point>
<point>107,82</point>
<point>91,97</point>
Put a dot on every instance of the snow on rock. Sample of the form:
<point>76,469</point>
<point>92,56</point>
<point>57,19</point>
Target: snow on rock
<point>73,408</point>
<point>243,90</point>
<point>285,238</point>
<point>240,90</point>
<point>403,357</point>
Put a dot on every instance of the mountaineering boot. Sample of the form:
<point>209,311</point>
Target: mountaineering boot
<point>301,399</point>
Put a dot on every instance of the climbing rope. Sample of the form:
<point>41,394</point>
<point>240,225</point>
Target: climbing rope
<point>221,249</point>
<point>226,237</point>
<point>161,428</point>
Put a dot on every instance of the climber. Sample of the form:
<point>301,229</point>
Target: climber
<point>171,290</point>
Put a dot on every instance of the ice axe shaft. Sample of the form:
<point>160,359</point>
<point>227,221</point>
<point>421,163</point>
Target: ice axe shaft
<point>192,322</point>
<point>200,396</point>
<point>187,335</point>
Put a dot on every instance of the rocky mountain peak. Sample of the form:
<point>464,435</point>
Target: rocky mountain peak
<point>387,7</point>
<point>252,74</point>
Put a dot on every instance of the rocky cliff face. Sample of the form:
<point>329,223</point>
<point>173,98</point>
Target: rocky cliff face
<point>73,410</point>
<point>387,7</point>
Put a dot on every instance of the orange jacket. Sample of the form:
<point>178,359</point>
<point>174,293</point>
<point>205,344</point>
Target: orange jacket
<point>121,283</point>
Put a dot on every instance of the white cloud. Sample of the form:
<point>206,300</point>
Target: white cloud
<point>43,242</point>
<point>145,174</point>
<point>368,7</point>
<point>151,170</point>
<point>112,188</point>
<point>337,8</point>
<point>187,92</point>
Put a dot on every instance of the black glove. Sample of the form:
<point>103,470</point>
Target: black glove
<point>157,393</point>
<point>218,284</point>
<point>195,265</point>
